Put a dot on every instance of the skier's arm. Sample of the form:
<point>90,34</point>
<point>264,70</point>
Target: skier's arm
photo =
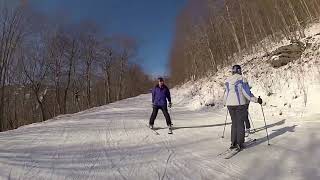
<point>153,94</point>
<point>168,95</point>
<point>247,93</point>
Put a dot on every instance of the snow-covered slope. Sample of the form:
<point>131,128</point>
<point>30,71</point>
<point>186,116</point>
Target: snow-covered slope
<point>113,141</point>
<point>291,90</point>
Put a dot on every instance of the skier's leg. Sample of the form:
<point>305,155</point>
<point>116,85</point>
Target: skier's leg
<point>153,115</point>
<point>242,115</point>
<point>247,122</point>
<point>233,115</point>
<point>166,115</point>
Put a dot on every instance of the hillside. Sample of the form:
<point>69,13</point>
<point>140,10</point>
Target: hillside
<point>289,90</point>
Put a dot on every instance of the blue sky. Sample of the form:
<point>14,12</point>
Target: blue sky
<point>151,22</point>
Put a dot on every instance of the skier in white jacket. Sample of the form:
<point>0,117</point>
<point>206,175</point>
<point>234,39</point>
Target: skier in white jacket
<point>237,94</point>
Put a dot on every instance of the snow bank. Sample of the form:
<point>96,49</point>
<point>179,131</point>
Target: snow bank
<point>291,90</point>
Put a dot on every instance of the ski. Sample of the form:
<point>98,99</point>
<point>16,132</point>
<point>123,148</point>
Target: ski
<point>153,130</point>
<point>257,129</point>
<point>250,142</point>
<point>232,153</point>
<point>224,152</point>
<point>229,153</point>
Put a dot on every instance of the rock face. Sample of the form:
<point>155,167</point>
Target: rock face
<point>285,54</point>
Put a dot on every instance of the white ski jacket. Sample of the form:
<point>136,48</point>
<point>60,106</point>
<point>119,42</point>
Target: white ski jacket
<point>237,91</point>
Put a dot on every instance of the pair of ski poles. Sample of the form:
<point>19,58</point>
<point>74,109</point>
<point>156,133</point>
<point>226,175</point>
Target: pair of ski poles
<point>265,123</point>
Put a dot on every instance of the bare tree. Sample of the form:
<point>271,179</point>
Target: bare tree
<point>50,66</point>
<point>11,33</point>
<point>127,49</point>
<point>107,60</point>
<point>89,46</point>
<point>36,70</point>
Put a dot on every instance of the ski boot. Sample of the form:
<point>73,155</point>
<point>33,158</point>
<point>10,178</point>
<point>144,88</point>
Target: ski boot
<point>170,129</point>
<point>233,146</point>
<point>239,147</point>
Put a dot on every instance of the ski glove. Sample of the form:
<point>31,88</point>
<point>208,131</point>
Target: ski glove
<point>259,100</point>
<point>170,104</point>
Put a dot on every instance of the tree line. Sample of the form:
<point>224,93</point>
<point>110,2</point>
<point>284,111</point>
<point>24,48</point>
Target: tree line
<point>51,66</point>
<point>211,33</point>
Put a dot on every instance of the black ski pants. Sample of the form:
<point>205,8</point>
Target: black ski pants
<point>238,116</point>
<point>154,114</point>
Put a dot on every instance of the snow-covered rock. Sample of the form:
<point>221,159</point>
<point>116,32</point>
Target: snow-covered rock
<point>285,54</point>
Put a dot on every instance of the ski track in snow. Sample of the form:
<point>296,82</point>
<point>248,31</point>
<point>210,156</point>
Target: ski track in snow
<point>113,142</point>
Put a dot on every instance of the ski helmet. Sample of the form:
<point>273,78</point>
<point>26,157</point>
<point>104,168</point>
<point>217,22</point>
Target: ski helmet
<point>160,79</point>
<point>236,69</point>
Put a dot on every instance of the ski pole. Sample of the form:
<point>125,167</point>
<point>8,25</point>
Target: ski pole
<point>251,121</point>
<point>225,124</point>
<point>265,123</point>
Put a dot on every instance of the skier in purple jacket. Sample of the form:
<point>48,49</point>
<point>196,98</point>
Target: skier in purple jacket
<point>160,95</point>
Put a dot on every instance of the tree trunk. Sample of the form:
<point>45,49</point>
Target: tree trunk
<point>58,95</point>
<point>283,19</point>
<point>272,31</point>
<point>317,6</point>
<point>66,90</point>
<point>120,83</point>
<point>303,3</point>
<point>234,33</point>
<point>2,106</point>
<point>2,110</point>
<point>252,27</point>
<point>243,26</point>
<point>40,103</point>
<point>300,29</point>
<point>88,84</point>
<point>107,87</point>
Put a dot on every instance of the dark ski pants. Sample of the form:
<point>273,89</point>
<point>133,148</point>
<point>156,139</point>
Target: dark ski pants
<point>238,116</point>
<point>154,114</point>
<point>246,121</point>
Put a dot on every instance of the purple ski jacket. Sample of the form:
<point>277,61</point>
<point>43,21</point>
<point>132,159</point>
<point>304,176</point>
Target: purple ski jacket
<point>160,95</point>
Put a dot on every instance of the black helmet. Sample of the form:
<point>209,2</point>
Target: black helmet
<point>160,79</point>
<point>236,69</point>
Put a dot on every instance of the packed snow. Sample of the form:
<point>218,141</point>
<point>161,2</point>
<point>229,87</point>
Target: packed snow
<point>114,142</point>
